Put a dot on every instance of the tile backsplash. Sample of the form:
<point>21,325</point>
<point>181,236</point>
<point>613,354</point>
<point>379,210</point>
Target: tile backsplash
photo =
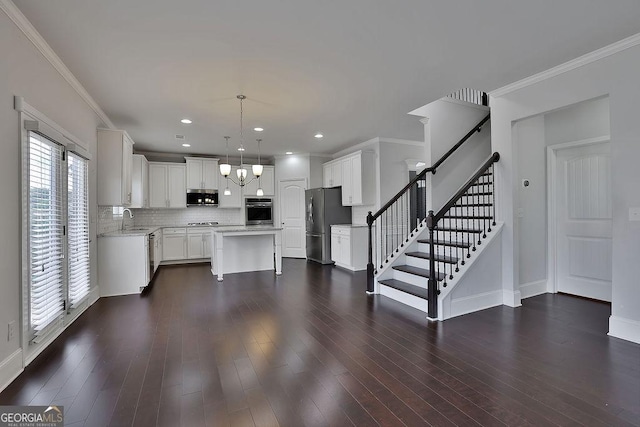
<point>110,218</point>
<point>184,216</point>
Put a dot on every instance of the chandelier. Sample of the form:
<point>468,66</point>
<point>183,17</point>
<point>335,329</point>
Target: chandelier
<point>241,172</point>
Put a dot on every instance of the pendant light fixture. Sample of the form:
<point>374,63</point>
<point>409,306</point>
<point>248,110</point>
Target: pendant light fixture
<point>241,172</point>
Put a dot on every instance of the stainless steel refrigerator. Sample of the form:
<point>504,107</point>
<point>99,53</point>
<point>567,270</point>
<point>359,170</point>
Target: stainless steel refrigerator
<point>323,209</point>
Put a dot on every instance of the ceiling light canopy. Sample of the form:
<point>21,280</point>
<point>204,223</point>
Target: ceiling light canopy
<point>258,129</point>
<point>241,172</point>
<point>318,135</point>
<point>186,121</point>
<point>186,145</point>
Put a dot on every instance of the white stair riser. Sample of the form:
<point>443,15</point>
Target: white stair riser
<point>410,278</point>
<point>424,263</point>
<point>404,298</point>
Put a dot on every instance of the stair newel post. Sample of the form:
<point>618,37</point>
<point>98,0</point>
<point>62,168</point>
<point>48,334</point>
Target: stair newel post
<point>432,289</point>
<point>370,254</point>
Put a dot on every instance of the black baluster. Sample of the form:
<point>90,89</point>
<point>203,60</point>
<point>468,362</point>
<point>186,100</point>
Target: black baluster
<point>482,210</point>
<point>455,251</point>
<point>493,195</point>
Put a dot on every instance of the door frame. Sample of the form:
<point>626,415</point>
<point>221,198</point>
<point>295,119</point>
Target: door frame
<point>552,208</point>
<point>279,196</point>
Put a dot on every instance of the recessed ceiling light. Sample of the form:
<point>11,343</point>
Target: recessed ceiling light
<point>186,145</point>
<point>420,164</point>
<point>289,152</point>
<point>186,121</point>
<point>258,129</point>
<point>318,135</point>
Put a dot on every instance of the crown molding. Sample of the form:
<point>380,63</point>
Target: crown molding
<point>581,61</point>
<point>21,21</point>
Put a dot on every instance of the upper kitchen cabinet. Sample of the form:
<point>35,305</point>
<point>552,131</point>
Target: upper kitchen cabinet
<point>332,174</point>
<point>355,173</point>
<point>234,200</point>
<point>115,158</point>
<point>139,182</point>
<point>266,182</point>
<point>167,185</point>
<point>202,173</point>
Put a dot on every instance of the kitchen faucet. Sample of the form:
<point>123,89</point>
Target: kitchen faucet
<point>130,216</point>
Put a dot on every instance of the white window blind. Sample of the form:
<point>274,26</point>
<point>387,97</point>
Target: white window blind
<point>78,228</point>
<point>46,233</point>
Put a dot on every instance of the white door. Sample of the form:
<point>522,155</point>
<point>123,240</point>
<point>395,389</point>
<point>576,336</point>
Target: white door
<point>195,246</point>
<point>583,221</point>
<point>210,174</point>
<point>294,243</point>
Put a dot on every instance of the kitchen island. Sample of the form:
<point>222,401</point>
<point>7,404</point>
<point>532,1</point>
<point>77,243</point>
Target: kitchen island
<point>238,249</point>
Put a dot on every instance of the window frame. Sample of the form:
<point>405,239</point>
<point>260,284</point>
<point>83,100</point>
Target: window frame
<point>31,120</point>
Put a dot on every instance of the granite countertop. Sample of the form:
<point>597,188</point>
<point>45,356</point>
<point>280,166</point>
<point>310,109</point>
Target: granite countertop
<point>246,228</point>
<point>143,230</point>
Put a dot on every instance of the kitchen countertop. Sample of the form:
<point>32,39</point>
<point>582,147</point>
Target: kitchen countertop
<point>245,228</point>
<point>143,231</point>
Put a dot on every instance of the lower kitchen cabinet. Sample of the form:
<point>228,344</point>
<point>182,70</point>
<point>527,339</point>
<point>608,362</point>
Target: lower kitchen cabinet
<point>198,245</point>
<point>123,265</point>
<point>182,243</point>
<point>174,244</point>
<point>349,246</point>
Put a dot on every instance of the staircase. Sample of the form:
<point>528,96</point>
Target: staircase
<point>417,256</point>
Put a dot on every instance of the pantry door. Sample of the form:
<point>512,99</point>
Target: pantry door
<point>294,244</point>
<point>583,220</point>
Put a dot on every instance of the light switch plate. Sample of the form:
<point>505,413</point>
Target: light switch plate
<point>634,214</point>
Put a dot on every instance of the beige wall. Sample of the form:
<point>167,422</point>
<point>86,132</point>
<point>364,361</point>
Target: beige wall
<point>25,72</point>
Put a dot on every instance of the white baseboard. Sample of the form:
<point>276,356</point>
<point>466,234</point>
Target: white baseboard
<point>404,298</point>
<point>511,298</point>
<point>94,295</point>
<point>10,368</point>
<point>532,289</point>
<point>477,302</point>
<point>626,329</point>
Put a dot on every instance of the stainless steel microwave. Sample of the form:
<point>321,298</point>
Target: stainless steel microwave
<point>202,198</point>
<point>259,211</point>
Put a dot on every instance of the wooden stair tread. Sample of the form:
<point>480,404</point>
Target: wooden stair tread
<point>417,271</point>
<point>408,288</point>
<point>446,243</point>
<point>438,257</point>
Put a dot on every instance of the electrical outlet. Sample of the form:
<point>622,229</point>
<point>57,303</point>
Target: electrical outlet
<point>11,332</point>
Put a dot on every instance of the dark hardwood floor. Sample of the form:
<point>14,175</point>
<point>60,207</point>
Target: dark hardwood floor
<point>310,348</point>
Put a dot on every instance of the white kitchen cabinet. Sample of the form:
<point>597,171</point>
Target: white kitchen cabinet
<point>167,185</point>
<point>266,180</point>
<point>349,246</point>
<point>332,174</point>
<point>234,200</point>
<point>198,245</point>
<point>202,173</point>
<point>115,157</point>
<point>139,182</point>
<point>123,264</point>
<point>355,173</point>
<point>174,244</point>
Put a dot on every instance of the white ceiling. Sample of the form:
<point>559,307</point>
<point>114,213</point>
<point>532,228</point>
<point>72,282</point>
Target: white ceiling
<point>351,69</point>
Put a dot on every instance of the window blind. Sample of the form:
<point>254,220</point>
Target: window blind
<point>46,233</point>
<point>78,228</point>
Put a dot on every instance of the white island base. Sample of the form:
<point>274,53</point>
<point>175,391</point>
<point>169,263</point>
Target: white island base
<point>240,249</point>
